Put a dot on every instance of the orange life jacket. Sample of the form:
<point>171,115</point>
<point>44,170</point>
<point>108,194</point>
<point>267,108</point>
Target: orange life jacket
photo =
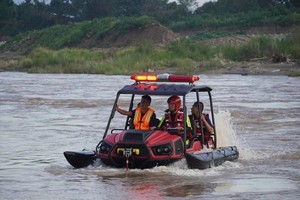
<point>142,123</point>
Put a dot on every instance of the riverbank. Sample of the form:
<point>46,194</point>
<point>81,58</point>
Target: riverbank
<point>247,68</point>
<point>242,68</point>
<point>258,68</point>
<point>172,53</point>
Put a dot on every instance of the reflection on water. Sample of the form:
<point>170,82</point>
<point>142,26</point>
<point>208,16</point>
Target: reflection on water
<point>255,184</point>
<point>45,115</point>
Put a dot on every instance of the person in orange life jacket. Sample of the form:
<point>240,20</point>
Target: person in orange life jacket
<point>206,123</point>
<point>143,117</point>
<point>173,117</point>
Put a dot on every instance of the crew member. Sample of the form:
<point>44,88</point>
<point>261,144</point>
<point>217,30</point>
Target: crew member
<point>207,126</point>
<point>174,117</point>
<point>143,117</point>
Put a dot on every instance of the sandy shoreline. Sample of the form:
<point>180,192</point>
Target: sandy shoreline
<point>257,68</point>
<point>244,68</point>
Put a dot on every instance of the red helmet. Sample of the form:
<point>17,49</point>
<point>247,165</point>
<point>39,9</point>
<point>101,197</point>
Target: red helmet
<point>175,100</point>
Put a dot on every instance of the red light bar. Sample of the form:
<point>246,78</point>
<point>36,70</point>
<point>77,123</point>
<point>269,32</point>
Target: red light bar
<point>164,78</point>
<point>181,78</point>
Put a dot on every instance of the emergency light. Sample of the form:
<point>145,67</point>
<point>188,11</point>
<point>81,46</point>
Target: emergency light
<point>164,78</point>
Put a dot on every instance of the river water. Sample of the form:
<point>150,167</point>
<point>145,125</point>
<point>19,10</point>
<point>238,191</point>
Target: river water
<point>44,115</point>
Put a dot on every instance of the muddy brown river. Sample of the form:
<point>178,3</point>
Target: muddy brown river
<point>43,115</point>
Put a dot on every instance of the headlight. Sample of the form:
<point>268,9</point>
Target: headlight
<point>165,149</point>
<point>104,148</point>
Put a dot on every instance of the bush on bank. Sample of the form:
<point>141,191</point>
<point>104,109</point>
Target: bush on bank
<point>185,56</point>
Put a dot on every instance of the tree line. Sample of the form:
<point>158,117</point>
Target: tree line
<point>36,14</point>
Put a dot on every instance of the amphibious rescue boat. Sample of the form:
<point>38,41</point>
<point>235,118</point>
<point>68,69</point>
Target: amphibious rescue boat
<point>130,148</point>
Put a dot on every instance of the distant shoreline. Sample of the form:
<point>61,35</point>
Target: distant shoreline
<point>257,68</point>
<point>249,68</point>
<point>242,68</point>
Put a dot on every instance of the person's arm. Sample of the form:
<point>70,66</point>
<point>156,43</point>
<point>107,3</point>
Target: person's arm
<point>123,112</point>
<point>207,125</point>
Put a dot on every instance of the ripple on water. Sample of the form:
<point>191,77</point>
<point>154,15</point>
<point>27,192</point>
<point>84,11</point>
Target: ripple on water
<point>255,184</point>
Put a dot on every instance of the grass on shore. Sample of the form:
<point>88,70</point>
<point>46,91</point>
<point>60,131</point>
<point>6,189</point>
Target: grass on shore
<point>185,56</point>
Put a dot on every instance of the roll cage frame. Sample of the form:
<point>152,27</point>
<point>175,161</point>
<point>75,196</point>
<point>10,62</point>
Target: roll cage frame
<point>165,89</point>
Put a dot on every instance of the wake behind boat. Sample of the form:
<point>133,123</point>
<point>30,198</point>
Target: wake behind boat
<point>131,148</point>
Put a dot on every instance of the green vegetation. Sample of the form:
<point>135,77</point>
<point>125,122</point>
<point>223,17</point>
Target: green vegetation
<point>264,46</point>
<point>61,36</point>
<point>182,56</point>
<point>237,20</point>
<point>76,36</point>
